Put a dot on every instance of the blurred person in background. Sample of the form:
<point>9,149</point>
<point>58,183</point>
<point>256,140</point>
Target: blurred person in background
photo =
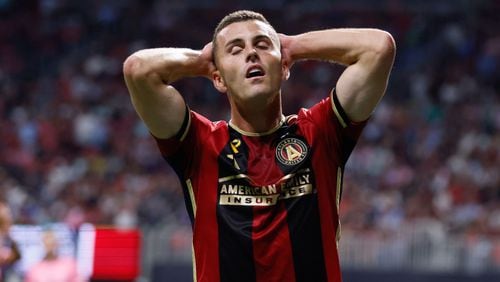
<point>53,268</point>
<point>262,190</point>
<point>9,251</point>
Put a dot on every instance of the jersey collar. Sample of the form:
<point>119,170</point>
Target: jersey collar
<point>257,134</point>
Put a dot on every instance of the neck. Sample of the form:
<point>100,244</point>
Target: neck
<point>257,119</point>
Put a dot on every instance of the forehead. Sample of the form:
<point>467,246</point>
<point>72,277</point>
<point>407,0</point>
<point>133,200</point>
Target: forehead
<point>245,30</point>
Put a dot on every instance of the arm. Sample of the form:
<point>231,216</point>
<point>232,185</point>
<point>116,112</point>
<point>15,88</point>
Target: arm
<point>16,254</point>
<point>148,75</point>
<point>367,53</point>
<point>10,254</point>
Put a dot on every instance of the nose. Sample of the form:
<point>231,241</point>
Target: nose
<point>252,55</point>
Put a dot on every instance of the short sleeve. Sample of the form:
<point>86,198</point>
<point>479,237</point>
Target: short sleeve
<point>331,120</point>
<point>179,151</point>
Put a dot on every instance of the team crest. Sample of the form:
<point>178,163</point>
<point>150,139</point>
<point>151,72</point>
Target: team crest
<point>291,151</point>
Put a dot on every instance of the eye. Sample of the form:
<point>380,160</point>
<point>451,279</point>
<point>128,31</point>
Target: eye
<point>262,44</point>
<point>234,50</point>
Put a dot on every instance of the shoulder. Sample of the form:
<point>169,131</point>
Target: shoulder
<point>200,122</point>
<point>197,130</point>
<point>196,123</point>
<point>330,110</point>
<point>318,113</point>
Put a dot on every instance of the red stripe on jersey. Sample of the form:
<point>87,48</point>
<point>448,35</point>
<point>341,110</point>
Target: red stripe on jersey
<point>205,224</point>
<point>193,160</point>
<point>333,144</point>
<point>271,240</point>
<point>272,250</point>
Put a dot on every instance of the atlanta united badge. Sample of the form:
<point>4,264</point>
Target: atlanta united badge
<point>291,151</point>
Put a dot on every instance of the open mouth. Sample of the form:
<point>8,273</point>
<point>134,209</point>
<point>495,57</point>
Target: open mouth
<point>255,71</point>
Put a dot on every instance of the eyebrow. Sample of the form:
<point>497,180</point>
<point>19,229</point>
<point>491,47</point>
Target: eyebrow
<point>261,36</point>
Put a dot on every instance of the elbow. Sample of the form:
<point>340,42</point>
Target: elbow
<point>140,68</point>
<point>385,46</point>
<point>134,68</point>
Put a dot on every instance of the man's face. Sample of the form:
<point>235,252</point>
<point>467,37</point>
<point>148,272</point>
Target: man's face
<point>248,61</point>
<point>49,240</point>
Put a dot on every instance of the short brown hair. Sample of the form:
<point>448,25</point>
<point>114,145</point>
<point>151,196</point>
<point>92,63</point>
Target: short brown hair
<point>234,17</point>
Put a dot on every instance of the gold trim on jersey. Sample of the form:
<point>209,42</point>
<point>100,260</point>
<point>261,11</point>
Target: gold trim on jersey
<point>339,188</point>
<point>257,134</point>
<point>184,134</point>
<point>193,258</point>
<point>337,202</point>
<point>241,175</point>
<point>335,110</point>
<point>236,200</point>
<point>231,177</point>
<point>191,196</point>
<point>292,185</point>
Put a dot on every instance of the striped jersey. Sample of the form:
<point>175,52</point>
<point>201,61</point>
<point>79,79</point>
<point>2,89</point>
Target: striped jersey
<point>265,207</point>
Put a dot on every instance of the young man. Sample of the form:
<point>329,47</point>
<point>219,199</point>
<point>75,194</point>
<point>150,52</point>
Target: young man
<point>262,190</point>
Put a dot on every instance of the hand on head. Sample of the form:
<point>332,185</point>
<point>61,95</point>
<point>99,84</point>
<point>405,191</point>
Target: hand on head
<point>208,60</point>
<point>286,55</point>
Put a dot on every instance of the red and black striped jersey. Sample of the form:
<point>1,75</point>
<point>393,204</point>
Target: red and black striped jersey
<point>265,207</point>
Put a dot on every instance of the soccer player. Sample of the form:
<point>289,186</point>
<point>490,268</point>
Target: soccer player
<point>262,190</point>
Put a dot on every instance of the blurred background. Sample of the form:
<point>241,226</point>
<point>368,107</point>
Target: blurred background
<point>421,199</point>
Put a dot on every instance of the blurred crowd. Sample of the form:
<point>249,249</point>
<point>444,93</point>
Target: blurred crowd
<point>73,150</point>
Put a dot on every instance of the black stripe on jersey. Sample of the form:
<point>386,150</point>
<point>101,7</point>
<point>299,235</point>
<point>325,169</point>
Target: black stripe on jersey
<point>235,222</point>
<point>304,228</point>
<point>188,203</point>
<point>339,107</point>
<point>185,190</point>
<point>184,125</point>
<point>305,237</point>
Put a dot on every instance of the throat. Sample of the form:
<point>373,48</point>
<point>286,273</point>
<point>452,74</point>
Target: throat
<point>257,119</point>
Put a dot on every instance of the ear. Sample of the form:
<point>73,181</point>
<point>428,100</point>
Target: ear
<point>219,82</point>
<point>285,70</point>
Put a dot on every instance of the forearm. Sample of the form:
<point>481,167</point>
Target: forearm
<point>165,65</point>
<point>148,75</point>
<point>345,46</point>
<point>368,55</point>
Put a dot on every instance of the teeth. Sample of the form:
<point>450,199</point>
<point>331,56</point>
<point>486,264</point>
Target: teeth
<point>254,72</point>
